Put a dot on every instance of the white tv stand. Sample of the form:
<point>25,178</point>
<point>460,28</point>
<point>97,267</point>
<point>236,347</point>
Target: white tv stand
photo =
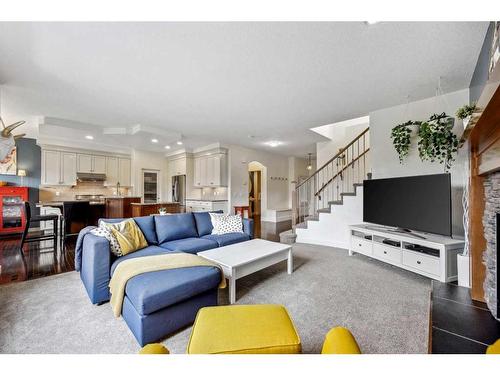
<point>436,257</point>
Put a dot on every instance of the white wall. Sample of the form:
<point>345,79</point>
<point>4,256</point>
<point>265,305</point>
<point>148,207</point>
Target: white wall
<point>384,159</point>
<point>152,161</point>
<point>341,136</point>
<point>275,166</point>
<point>297,167</point>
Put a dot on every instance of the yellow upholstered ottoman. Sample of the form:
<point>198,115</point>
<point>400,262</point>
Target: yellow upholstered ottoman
<point>244,329</point>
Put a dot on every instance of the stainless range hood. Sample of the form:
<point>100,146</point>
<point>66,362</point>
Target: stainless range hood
<point>91,177</point>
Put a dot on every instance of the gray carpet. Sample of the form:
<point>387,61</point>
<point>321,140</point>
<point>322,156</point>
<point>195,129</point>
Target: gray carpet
<point>386,308</point>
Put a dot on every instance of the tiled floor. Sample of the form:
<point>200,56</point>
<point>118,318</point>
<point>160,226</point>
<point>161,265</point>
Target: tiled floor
<point>459,324</point>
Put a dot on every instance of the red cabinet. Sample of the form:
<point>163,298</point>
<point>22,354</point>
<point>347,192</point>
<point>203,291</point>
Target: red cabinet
<point>12,218</point>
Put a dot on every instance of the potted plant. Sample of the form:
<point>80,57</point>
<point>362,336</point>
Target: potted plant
<point>437,141</point>
<point>465,112</point>
<point>401,138</point>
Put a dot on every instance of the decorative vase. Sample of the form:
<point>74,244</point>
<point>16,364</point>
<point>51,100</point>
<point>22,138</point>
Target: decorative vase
<point>463,270</point>
<point>465,121</point>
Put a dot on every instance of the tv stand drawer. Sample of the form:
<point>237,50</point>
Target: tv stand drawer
<point>389,253</point>
<point>421,262</point>
<point>359,245</point>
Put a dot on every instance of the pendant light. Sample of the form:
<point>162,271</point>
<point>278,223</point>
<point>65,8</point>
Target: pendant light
<point>309,162</point>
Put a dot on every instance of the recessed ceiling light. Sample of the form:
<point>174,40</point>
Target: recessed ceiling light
<point>274,143</point>
<point>179,143</point>
<point>89,137</point>
<point>371,22</point>
<point>154,140</point>
<point>167,147</point>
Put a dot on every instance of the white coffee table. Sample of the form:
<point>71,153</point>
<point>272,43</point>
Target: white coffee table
<point>244,258</point>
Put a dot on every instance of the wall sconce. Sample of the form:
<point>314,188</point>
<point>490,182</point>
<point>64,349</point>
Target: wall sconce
<point>21,173</point>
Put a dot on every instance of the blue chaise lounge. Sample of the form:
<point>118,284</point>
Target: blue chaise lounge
<point>159,303</point>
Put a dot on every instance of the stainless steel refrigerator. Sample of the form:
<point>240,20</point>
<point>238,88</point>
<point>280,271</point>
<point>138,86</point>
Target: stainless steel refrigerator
<point>179,189</point>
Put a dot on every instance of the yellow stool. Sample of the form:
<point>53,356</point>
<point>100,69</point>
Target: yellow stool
<point>494,348</point>
<point>339,340</point>
<point>154,349</point>
<point>244,329</point>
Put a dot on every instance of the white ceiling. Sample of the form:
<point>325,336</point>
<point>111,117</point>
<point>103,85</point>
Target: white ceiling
<point>235,83</point>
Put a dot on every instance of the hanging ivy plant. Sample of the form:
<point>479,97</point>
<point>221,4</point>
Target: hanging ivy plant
<point>401,135</point>
<point>437,141</point>
<point>466,111</point>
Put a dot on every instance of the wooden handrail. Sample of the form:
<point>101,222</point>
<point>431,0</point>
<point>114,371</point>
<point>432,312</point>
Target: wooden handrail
<point>335,157</point>
<point>342,170</point>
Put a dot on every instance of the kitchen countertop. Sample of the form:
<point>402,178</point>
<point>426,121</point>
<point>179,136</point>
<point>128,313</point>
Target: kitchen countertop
<point>206,200</point>
<point>60,203</point>
<point>120,197</point>
<point>152,204</point>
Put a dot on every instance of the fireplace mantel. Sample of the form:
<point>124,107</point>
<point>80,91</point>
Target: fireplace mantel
<point>484,142</point>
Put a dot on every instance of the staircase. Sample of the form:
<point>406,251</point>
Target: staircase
<point>331,199</point>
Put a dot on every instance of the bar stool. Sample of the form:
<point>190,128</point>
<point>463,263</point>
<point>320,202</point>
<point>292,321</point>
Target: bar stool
<point>37,219</point>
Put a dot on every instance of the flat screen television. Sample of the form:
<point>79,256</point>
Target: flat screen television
<point>420,203</point>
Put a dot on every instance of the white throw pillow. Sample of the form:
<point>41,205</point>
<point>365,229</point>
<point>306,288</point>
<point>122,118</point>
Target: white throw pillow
<point>223,223</point>
<point>114,246</point>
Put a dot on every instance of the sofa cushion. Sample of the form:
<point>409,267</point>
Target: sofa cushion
<point>146,225</point>
<point>190,245</point>
<point>150,250</point>
<point>175,227</point>
<point>153,291</point>
<point>128,235</point>
<point>204,222</point>
<point>228,238</point>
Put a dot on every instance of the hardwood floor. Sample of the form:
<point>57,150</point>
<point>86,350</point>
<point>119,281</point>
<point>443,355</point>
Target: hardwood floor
<point>40,259</point>
<point>37,260</point>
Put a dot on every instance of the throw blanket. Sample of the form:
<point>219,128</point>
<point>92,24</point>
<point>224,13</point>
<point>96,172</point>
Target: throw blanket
<point>136,266</point>
<point>79,246</point>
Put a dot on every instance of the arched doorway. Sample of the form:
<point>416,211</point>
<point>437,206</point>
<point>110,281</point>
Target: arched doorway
<point>257,191</point>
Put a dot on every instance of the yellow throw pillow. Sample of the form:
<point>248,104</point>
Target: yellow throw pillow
<point>128,235</point>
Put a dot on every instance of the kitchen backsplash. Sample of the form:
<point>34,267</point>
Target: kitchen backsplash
<point>57,193</point>
<point>214,193</point>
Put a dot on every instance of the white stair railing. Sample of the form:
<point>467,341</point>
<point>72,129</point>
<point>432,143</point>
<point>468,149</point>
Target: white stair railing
<point>338,176</point>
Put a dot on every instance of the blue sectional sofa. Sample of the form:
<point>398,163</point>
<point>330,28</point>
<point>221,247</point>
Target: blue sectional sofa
<point>159,303</point>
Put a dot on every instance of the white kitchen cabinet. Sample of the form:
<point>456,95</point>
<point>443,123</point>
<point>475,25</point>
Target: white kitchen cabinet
<point>98,164</point>
<point>177,166</point>
<point>124,172</point>
<point>117,170</point>
<point>200,172</point>
<point>210,171</point>
<point>205,206</point>
<point>91,163</point>
<point>68,168</point>
<point>112,171</point>
<point>84,163</point>
<point>58,168</point>
<point>51,167</point>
